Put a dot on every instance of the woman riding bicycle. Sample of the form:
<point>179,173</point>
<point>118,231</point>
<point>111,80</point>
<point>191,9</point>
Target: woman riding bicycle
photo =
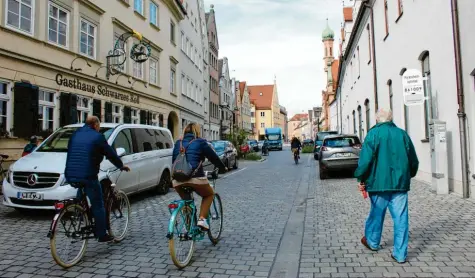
<point>295,146</point>
<point>197,149</point>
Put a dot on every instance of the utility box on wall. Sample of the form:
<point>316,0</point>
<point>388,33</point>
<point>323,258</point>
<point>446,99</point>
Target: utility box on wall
<point>438,154</point>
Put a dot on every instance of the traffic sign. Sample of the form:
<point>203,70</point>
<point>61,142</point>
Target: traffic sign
<point>413,87</point>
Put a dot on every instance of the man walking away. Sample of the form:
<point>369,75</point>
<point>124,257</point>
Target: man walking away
<point>86,150</point>
<point>386,165</point>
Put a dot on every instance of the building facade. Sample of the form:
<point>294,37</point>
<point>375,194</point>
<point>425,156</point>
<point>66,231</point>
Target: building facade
<point>243,107</point>
<point>191,65</point>
<point>267,108</point>
<point>213,55</point>
<point>299,126</point>
<point>205,70</point>
<point>283,121</point>
<point>225,97</point>
<point>413,35</point>
<point>330,66</point>
<point>53,66</point>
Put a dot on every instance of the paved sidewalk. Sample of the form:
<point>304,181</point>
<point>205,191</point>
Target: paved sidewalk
<point>442,235</point>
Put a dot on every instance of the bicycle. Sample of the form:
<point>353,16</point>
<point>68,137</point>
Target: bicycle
<point>77,214</point>
<point>296,155</point>
<point>2,171</point>
<point>188,231</point>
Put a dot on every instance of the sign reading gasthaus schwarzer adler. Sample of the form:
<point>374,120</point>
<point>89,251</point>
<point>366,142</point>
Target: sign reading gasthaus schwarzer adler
<point>413,87</point>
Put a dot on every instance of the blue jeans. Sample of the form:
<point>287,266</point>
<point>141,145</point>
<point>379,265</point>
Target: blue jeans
<point>94,193</point>
<point>398,207</point>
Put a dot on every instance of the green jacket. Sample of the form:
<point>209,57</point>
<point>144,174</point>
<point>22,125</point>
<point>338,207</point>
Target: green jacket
<point>387,160</point>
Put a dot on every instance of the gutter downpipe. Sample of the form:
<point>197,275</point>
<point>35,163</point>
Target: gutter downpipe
<point>373,42</point>
<point>461,101</point>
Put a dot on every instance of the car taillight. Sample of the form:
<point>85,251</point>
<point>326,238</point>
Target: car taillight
<point>324,149</point>
<point>58,206</point>
<point>357,146</point>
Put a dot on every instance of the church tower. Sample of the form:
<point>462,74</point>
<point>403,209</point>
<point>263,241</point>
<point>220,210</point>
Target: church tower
<point>328,39</point>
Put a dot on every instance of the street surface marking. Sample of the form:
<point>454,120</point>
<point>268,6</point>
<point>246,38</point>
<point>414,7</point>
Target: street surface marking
<point>235,172</point>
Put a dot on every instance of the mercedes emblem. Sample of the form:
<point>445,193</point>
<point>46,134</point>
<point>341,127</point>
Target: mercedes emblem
<point>32,179</point>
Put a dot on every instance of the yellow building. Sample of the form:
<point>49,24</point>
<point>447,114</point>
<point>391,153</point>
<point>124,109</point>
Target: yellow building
<point>266,108</point>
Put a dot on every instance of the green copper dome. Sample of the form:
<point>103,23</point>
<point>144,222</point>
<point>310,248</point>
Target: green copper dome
<point>328,33</point>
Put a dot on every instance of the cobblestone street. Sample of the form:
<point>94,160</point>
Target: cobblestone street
<point>280,221</point>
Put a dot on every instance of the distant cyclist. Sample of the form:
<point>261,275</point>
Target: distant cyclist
<point>295,146</point>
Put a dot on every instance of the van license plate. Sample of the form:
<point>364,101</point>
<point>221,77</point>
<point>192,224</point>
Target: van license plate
<point>342,154</point>
<point>30,196</point>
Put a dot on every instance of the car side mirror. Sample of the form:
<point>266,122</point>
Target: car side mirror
<point>120,152</point>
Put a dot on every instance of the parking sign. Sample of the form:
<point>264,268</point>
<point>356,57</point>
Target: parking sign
<point>413,87</point>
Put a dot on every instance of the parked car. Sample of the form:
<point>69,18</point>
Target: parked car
<point>37,180</point>
<point>254,145</point>
<point>339,152</point>
<point>245,148</point>
<point>319,140</point>
<point>226,152</point>
<point>307,142</point>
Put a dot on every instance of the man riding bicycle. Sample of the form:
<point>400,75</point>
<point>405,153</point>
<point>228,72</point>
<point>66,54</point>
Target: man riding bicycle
<point>295,146</point>
<point>86,150</point>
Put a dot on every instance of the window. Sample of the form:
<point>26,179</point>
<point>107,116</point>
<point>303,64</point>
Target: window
<point>124,140</point>
<point>183,42</point>
<point>163,140</point>
<point>20,15</point>
<point>116,114</point>
<point>183,84</point>
<point>192,56</point>
<point>83,109</point>
<point>430,109</point>
<point>263,114</point>
<point>58,24</point>
<point>359,64</point>
<point>135,116</point>
<point>188,86</point>
<point>172,32</point>
<point>263,125</point>
<point>154,119</point>
<point>138,70</point>
<point>153,73</point>
<point>368,119</point>
<point>390,87</point>
<point>354,122</point>
<point>196,93</point>
<point>172,80</point>
<point>369,44</point>
<point>188,47</point>
<point>386,16</point>
<point>4,98</point>
<point>206,105</point>
<point>192,90</point>
<point>153,13</point>
<point>46,110</point>
<point>138,6</point>
<point>360,123</point>
<point>88,39</point>
<point>196,57</point>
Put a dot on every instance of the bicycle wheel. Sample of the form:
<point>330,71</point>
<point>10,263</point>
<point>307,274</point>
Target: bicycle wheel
<point>182,234</point>
<point>119,216</point>
<point>216,220</point>
<point>70,226</point>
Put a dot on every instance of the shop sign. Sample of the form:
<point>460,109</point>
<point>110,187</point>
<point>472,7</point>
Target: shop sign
<point>100,90</point>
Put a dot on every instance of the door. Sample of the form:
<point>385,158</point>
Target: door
<point>128,181</point>
<point>147,156</point>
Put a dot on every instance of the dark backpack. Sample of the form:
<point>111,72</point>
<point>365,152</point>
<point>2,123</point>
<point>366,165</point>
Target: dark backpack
<point>182,170</point>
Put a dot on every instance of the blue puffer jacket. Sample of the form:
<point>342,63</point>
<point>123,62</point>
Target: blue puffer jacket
<point>197,152</point>
<point>86,150</point>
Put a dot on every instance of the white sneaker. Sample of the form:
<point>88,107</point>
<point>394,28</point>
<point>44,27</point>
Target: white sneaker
<point>203,224</point>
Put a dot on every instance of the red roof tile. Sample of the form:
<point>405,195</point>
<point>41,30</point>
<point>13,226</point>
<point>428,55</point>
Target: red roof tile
<point>299,117</point>
<point>348,13</point>
<point>261,95</point>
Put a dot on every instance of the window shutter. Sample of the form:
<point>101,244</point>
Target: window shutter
<point>127,115</point>
<point>74,109</point>
<point>64,109</point>
<point>25,118</point>
<point>143,119</point>
<point>108,112</point>
<point>96,108</point>
<point>149,117</point>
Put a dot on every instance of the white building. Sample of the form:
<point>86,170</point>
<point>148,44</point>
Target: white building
<point>410,35</point>
<point>225,97</point>
<point>191,65</point>
<point>334,120</point>
<point>205,74</point>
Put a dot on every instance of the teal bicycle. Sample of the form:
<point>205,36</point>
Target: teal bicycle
<point>183,230</point>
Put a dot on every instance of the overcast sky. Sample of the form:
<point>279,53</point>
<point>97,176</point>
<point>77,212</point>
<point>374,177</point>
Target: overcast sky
<point>282,37</point>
